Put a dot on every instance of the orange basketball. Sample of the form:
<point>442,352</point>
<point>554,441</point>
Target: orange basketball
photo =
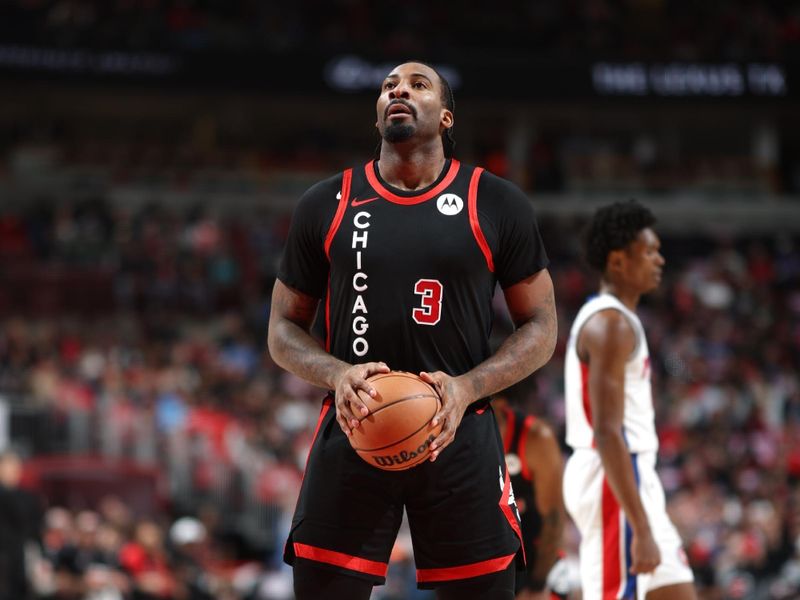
<point>397,433</point>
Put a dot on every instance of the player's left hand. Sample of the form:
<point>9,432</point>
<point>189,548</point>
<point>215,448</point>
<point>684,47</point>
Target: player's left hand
<point>455,399</point>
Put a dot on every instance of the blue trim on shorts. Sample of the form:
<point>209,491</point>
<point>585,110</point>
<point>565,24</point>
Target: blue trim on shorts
<point>630,585</point>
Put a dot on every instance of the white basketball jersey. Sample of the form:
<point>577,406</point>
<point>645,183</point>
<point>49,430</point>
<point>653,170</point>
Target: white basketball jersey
<point>639,419</point>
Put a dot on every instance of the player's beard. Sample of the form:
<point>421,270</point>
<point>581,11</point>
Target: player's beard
<point>398,132</point>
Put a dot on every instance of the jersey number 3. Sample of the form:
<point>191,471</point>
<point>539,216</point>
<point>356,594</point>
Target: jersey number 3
<point>430,310</point>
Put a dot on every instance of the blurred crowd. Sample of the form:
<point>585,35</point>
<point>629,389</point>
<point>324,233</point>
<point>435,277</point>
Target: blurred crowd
<point>163,363</point>
<point>133,328</point>
<point>109,553</point>
<point>205,154</point>
<point>666,29</point>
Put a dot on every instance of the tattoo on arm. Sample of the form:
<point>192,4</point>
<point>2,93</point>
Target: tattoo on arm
<point>528,348</point>
<point>292,346</point>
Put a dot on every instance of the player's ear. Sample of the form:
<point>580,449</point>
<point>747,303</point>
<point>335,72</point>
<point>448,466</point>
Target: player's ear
<point>615,261</point>
<point>447,120</point>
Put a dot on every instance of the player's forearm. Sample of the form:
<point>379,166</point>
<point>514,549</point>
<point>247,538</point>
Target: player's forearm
<point>619,472</point>
<point>293,349</point>
<point>548,545</point>
<point>522,353</point>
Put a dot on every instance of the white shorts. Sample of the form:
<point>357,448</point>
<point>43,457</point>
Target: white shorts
<point>606,536</point>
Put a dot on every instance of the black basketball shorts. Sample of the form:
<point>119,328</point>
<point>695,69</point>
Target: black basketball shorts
<point>461,511</point>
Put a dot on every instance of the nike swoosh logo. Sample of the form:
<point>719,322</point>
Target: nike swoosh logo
<point>357,202</point>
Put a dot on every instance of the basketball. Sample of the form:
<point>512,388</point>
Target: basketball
<point>397,433</point>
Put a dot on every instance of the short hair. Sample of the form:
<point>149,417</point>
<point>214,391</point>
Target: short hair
<point>613,227</point>
<point>449,101</point>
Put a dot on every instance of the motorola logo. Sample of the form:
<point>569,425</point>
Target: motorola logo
<point>449,204</point>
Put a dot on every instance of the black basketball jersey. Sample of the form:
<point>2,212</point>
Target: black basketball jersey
<point>408,277</point>
<point>518,424</point>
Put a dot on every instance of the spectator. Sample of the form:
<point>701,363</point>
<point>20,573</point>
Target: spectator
<point>20,523</point>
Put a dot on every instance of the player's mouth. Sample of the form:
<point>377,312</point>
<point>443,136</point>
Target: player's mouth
<point>399,109</point>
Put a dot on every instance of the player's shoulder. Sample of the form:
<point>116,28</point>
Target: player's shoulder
<point>541,430</point>
<point>328,189</point>
<point>608,331</point>
<point>320,200</point>
<point>501,194</point>
<point>542,445</point>
<point>607,320</point>
<point>491,182</point>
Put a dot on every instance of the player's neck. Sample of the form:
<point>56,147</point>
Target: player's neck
<point>628,297</point>
<point>410,169</point>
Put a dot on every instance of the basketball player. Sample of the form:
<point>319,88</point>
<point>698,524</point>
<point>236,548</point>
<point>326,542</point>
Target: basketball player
<point>535,465</point>
<point>629,547</point>
<point>403,255</point>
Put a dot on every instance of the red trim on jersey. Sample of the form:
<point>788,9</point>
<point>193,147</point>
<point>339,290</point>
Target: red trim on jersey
<point>472,201</point>
<point>328,315</point>
<point>587,402</point>
<point>369,169</point>
<point>340,559</point>
<point>337,218</point>
<point>493,565</point>
<point>523,441</point>
<point>612,559</point>
<point>511,418</point>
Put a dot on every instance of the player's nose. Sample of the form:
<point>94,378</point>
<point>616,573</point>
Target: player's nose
<point>401,90</point>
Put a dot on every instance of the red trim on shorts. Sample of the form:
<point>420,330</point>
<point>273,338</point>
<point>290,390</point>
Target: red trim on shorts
<point>340,559</point>
<point>337,218</point>
<point>587,402</point>
<point>326,406</point>
<point>612,559</point>
<point>523,442</point>
<point>369,169</point>
<point>472,202</point>
<point>509,513</point>
<point>493,565</point>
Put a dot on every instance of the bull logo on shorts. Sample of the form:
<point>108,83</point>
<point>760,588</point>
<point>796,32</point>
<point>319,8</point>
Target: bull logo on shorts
<point>511,500</point>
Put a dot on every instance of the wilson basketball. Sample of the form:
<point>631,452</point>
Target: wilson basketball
<point>397,433</point>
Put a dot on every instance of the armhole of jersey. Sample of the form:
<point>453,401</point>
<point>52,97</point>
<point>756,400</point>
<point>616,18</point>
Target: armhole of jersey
<point>523,443</point>
<point>328,314</point>
<point>636,333</point>
<point>472,201</point>
<point>337,218</point>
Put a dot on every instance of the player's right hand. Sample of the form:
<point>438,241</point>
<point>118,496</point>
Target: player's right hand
<point>455,398</point>
<point>349,407</point>
<point>645,555</point>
